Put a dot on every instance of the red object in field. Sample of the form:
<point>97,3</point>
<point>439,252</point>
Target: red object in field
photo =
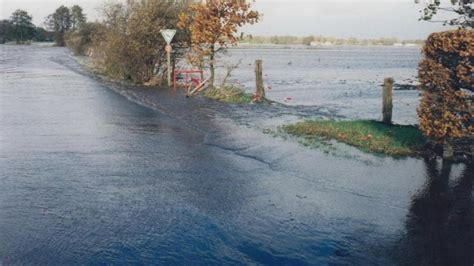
<point>188,77</point>
<point>195,81</point>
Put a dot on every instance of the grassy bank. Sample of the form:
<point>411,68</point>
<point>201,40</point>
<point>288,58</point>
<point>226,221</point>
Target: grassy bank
<point>228,94</point>
<point>370,136</point>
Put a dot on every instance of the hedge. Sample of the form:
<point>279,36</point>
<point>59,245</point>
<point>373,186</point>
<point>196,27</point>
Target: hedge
<point>447,81</point>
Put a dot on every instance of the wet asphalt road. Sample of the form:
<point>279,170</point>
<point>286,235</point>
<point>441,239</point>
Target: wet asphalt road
<point>89,177</point>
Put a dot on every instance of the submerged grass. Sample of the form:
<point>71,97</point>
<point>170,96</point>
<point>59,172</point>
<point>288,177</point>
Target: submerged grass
<point>229,94</point>
<point>370,136</point>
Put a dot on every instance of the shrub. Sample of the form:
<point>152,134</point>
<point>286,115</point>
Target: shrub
<point>80,41</point>
<point>228,93</point>
<point>131,46</point>
<point>447,82</point>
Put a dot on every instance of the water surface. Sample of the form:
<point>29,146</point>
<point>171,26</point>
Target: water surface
<point>88,177</point>
<point>346,80</point>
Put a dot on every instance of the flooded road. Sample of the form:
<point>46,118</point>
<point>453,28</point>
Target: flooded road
<point>89,177</point>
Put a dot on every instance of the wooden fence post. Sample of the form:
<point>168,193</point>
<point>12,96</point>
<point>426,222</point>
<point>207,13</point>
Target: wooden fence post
<point>259,79</point>
<point>387,100</point>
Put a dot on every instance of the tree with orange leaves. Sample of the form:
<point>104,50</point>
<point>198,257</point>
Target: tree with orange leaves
<point>213,26</point>
<point>447,83</point>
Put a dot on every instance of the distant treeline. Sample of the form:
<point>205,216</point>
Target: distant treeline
<point>62,22</point>
<point>323,40</point>
<point>19,28</point>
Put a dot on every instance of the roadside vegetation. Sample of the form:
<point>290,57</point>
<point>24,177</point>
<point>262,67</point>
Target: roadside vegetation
<point>446,81</point>
<point>370,136</point>
<point>447,88</point>
<point>213,26</point>
<point>229,94</point>
<point>80,41</point>
<point>130,45</point>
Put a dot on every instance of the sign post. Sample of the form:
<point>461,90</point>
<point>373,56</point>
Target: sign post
<point>168,35</point>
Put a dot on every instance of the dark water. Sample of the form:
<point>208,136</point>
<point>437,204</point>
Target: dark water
<point>346,80</point>
<point>87,177</point>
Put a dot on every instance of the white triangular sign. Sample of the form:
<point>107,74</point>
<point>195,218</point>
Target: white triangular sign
<point>168,35</point>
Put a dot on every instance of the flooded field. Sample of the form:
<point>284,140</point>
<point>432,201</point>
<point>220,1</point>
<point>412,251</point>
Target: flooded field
<point>90,177</point>
<point>345,80</point>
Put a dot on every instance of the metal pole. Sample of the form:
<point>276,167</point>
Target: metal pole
<point>169,67</point>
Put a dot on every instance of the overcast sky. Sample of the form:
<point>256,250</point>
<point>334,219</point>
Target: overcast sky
<point>338,18</point>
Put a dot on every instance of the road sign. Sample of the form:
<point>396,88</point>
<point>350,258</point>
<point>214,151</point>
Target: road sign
<point>168,35</point>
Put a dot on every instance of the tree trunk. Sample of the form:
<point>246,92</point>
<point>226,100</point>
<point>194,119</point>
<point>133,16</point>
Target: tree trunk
<point>448,150</point>
<point>18,35</point>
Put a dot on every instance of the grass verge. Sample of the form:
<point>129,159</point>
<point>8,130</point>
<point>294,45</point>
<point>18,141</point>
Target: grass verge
<point>229,94</point>
<point>367,135</point>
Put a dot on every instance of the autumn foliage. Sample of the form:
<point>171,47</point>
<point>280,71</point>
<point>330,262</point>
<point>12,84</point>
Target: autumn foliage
<point>213,26</point>
<point>447,83</point>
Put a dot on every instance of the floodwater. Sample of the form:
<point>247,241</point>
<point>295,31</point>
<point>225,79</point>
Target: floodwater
<point>89,177</point>
<point>346,80</point>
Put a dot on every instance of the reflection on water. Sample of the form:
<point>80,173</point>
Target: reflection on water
<point>440,220</point>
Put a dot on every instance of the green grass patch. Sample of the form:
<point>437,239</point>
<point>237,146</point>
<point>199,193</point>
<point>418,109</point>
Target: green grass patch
<point>367,135</point>
<point>229,94</point>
